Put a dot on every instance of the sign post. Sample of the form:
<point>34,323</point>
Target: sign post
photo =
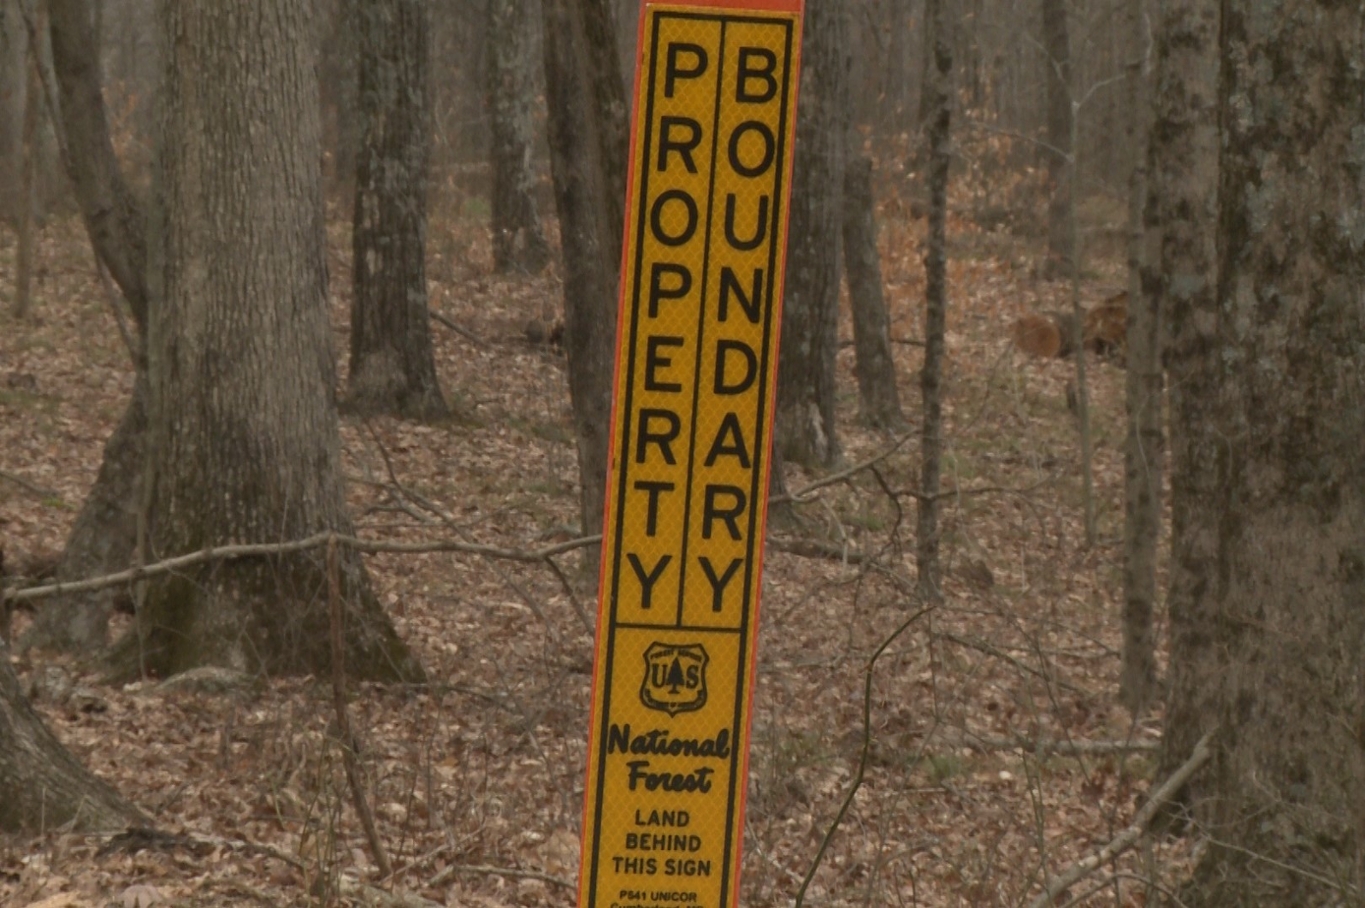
<point>696,367</point>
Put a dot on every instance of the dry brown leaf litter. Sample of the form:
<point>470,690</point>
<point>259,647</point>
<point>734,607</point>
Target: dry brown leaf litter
<point>483,770</point>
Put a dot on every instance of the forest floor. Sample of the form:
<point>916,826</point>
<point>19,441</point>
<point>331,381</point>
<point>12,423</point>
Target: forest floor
<point>998,754</point>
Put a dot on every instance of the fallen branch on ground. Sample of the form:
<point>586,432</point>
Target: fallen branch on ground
<point>815,548</point>
<point>256,550</point>
<point>24,483</point>
<point>801,493</point>
<point>1134,831</point>
<point>455,326</point>
<point>485,870</point>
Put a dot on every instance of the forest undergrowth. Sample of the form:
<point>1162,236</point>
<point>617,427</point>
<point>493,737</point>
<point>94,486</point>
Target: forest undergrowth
<point>997,753</point>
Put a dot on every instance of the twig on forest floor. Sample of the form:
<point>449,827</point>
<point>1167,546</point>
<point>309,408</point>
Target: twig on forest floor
<point>1045,746</point>
<point>32,487</point>
<point>137,838</point>
<point>348,746</point>
<point>815,548</point>
<point>445,875</point>
<point>318,540</point>
<point>831,479</point>
<point>458,329</point>
<point>991,650</point>
<point>1132,833</point>
<point>863,757</point>
<point>955,492</point>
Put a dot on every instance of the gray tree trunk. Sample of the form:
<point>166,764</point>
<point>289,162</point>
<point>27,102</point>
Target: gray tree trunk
<point>244,443</point>
<point>1058,149</point>
<point>103,537</point>
<point>810,309</point>
<point>588,140</point>
<point>392,369</point>
<point>878,397</point>
<point>43,787</point>
<point>13,66</point>
<point>1180,270</point>
<point>519,242</point>
<point>1144,446</point>
<point>1279,647</point>
<point>26,210</point>
<point>935,306</point>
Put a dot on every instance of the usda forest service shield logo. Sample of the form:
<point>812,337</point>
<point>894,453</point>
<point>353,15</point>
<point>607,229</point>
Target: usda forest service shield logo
<point>675,677</point>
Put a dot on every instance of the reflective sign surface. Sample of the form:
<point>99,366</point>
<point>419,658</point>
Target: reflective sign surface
<point>696,366</point>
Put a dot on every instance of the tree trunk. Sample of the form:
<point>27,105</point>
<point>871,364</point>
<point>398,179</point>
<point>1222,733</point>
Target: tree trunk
<point>810,314</point>
<point>244,443</point>
<point>588,140</point>
<point>878,396</point>
<point>1057,150</point>
<point>1278,648</point>
<point>13,69</point>
<point>111,215</point>
<point>1180,269</point>
<point>935,306</point>
<point>897,112</point>
<point>104,535</point>
<point>43,787</point>
<point>519,243</point>
<point>392,366</point>
<point>28,178</point>
<point>1144,454</point>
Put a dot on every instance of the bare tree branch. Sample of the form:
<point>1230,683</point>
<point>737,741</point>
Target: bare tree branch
<point>1132,833</point>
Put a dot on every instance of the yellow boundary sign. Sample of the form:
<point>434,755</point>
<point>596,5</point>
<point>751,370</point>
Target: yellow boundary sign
<point>701,289</point>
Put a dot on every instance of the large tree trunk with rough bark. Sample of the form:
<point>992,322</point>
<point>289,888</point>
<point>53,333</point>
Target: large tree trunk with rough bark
<point>1144,445</point>
<point>1180,272</point>
<point>1057,148</point>
<point>244,444</point>
<point>392,368</point>
<point>810,308</point>
<point>588,141</point>
<point>43,787</point>
<point>1278,641</point>
<point>103,537</point>
<point>878,397</point>
<point>519,242</point>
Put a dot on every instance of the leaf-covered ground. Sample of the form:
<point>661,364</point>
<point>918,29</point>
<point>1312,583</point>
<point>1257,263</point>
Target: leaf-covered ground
<point>477,779</point>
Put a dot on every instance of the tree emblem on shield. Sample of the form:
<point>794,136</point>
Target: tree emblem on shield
<point>675,677</point>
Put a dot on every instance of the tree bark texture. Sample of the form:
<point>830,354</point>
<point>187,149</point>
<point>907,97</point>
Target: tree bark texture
<point>244,441</point>
<point>935,308</point>
<point>392,368</point>
<point>28,178</point>
<point>1181,266</point>
<point>1144,446</point>
<point>1273,633</point>
<point>13,66</point>
<point>878,396</point>
<point>519,242</point>
<point>587,128</point>
<point>1058,149</point>
<point>111,214</point>
<point>103,537</point>
<point>43,787</point>
<point>810,308</point>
